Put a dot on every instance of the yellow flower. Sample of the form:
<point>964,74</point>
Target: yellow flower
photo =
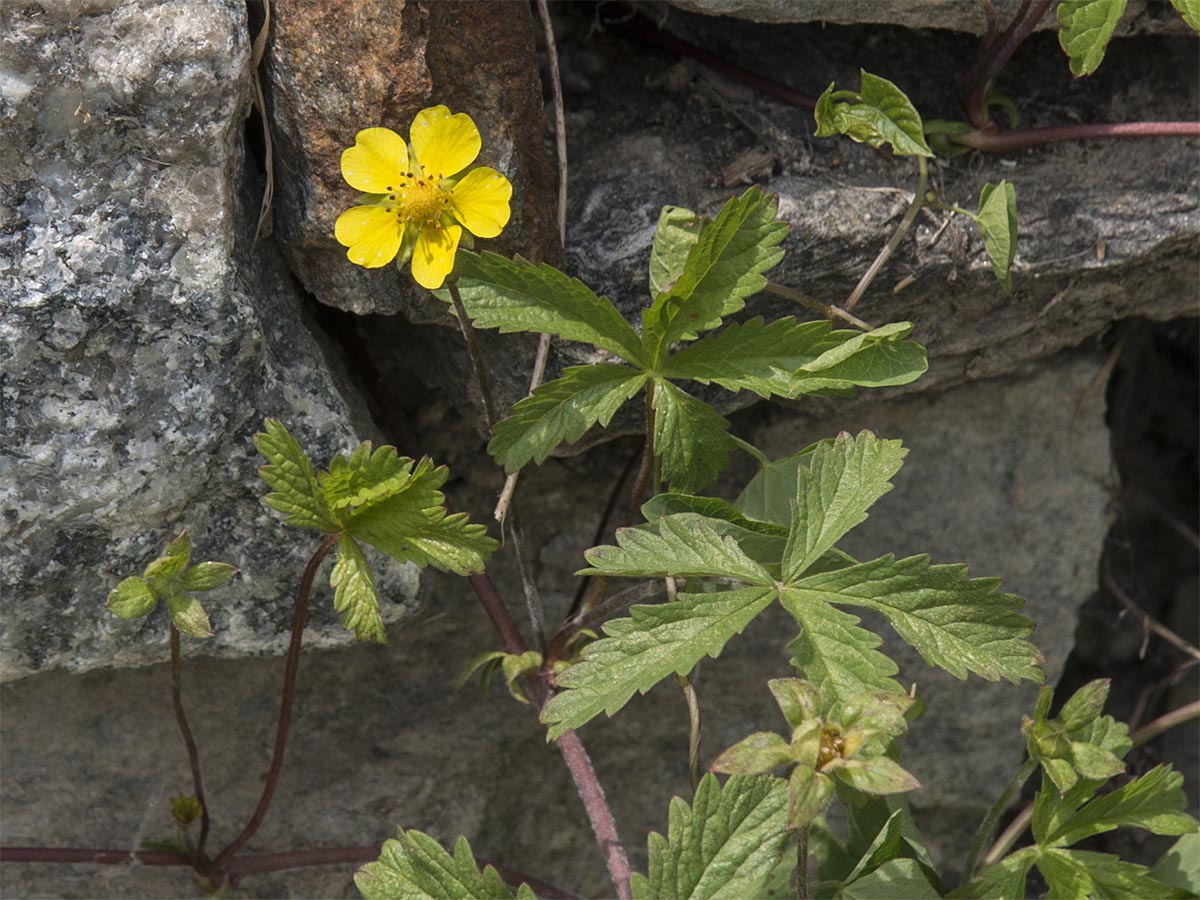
<point>420,196</point>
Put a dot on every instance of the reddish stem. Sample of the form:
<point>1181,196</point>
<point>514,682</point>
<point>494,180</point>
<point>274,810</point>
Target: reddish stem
<point>997,55</point>
<point>91,855</point>
<point>291,669</point>
<point>1006,141</point>
<point>189,742</point>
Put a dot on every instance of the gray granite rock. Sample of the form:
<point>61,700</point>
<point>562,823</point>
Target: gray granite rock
<point>144,335</point>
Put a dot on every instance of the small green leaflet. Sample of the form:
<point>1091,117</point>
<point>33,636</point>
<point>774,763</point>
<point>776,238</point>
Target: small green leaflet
<point>1180,866</point>
<point>1082,873</point>
<point>998,226</point>
<point>641,650</point>
<point>373,497</point>
<point>834,491</point>
<point>676,234</point>
<point>723,267</point>
<point>835,653</point>
<point>881,114</point>
<point>414,866</point>
<point>516,295</point>
<point>723,847</point>
<point>763,542</point>
<point>1087,27</point>
<point>768,495</point>
<point>895,878</point>
<point>1003,881</point>
<point>562,411</point>
<point>690,438</point>
<point>961,625</point>
<point>878,358</point>
<point>1190,10</point>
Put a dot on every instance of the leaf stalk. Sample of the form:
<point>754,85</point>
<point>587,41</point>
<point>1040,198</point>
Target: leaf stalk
<point>196,855</point>
<point>906,223</point>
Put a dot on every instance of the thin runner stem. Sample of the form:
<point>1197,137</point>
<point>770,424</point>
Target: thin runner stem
<point>885,254</point>
<point>189,742</point>
<point>988,825</point>
<point>828,310</point>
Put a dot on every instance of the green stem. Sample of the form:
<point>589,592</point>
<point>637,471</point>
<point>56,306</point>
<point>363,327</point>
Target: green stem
<point>752,450</point>
<point>828,310</point>
<point>647,467</point>
<point>802,864</point>
<point>988,825</point>
<point>906,223</point>
<point>190,743</point>
<point>688,685</point>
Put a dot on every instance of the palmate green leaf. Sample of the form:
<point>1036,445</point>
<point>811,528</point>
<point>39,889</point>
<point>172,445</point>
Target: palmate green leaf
<point>132,598</point>
<point>691,439</point>
<point>684,545</point>
<point>723,267</point>
<point>1190,11</point>
<point>1155,801</point>
<point>1002,881</point>
<point>959,624</point>
<point>763,542</point>
<point>641,650</point>
<point>754,356</point>
<point>1180,865</point>
<point>517,295</point>
<point>289,474</point>
<point>878,358</point>
<point>354,592</point>
<point>408,522</point>
<point>834,491</point>
<point>723,847</point>
<point>677,232</point>
<point>414,866</point>
<point>895,878</point>
<point>562,411</point>
<point>1081,873</point>
<point>1087,27</point>
<point>835,653</point>
<point>881,115</point>
<point>998,227</point>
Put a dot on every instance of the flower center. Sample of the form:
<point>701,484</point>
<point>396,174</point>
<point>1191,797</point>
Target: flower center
<point>832,747</point>
<point>420,198</point>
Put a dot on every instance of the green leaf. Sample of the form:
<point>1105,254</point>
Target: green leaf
<point>881,115</point>
<point>1190,11</point>
<point>895,878</point>
<point>517,295</point>
<point>416,867</point>
<point>396,507</point>
<point>1002,881</point>
<point>132,598</point>
<point>835,653</point>
<point>677,232</point>
<point>768,495</point>
<point>833,493</point>
<point>877,775</point>
<point>998,227</point>
<point>798,700</point>
<point>1081,873</point>
<point>1086,704</point>
<point>683,545</point>
<point>753,356</point>
<point>879,358</point>
<point>690,438</point>
<point>809,795</point>
<point>962,625</point>
<point>1155,802</point>
<point>354,592</point>
<point>207,576</point>
<point>188,615</point>
<point>763,542</point>
<point>723,847</point>
<point>723,268</point>
<point>289,474</point>
<point>761,752</point>
<point>163,572</point>
<point>562,411</point>
<point>1087,27</point>
<point>648,646</point>
<point>1180,866</point>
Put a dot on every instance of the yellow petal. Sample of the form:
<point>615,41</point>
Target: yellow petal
<point>372,233</point>
<point>376,161</point>
<point>444,144</point>
<point>433,258</point>
<point>480,201</point>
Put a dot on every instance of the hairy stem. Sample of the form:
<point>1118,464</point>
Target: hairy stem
<point>189,742</point>
<point>910,216</point>
<point>828,310</point>
<point>802,864</point>
<point>468,333</point>
<point>687,683</point>
<point>988,825</point>
<point>1007,141</point>
<point>291,670</point>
